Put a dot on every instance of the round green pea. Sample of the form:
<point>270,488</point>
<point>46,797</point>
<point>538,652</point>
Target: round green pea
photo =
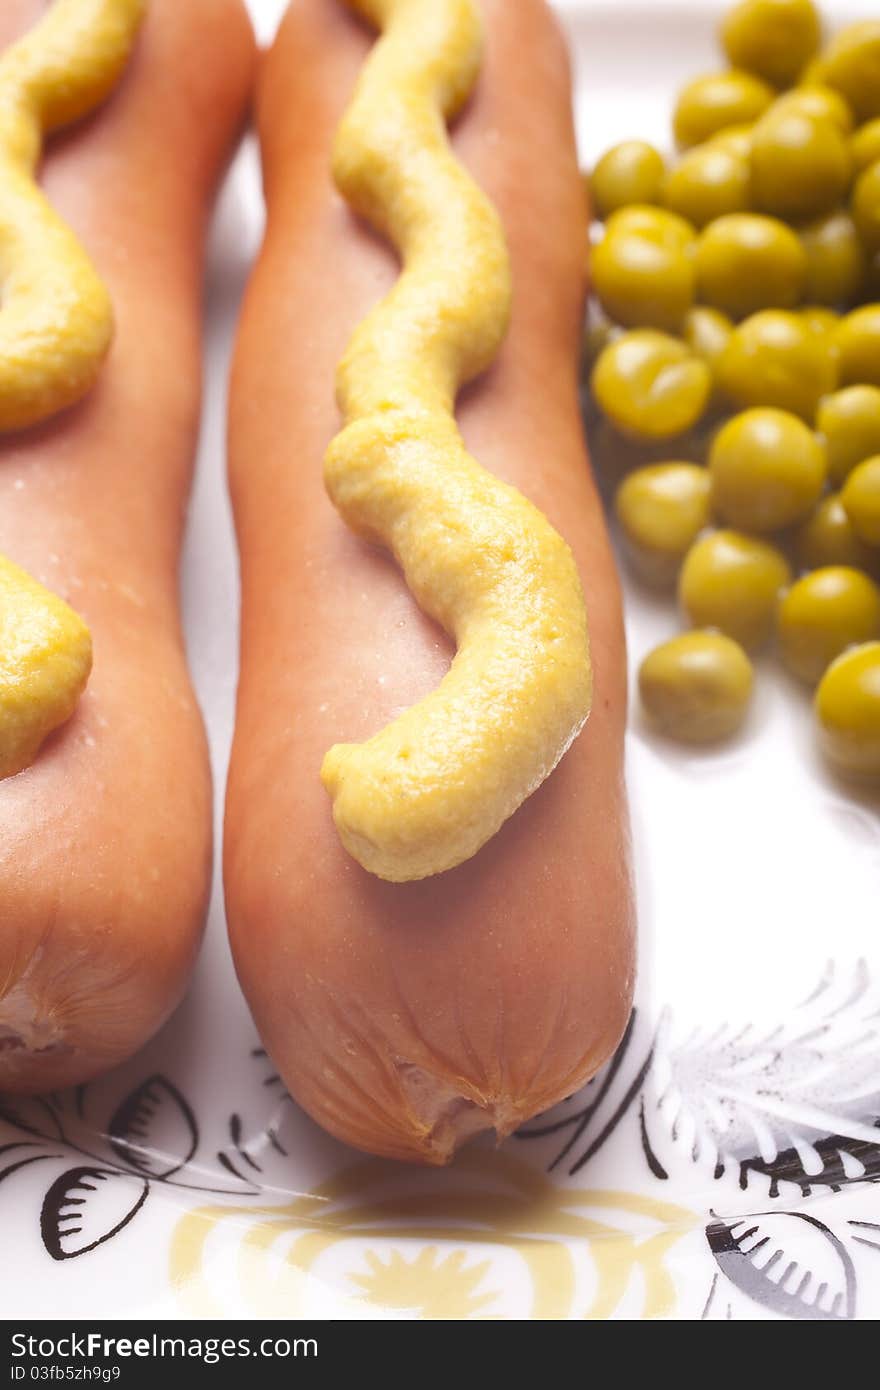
<point>658,225</point>
<point>847,706</point>
<point>650,385</point>
<point>849,423</point>
<point>707,332</point>
<point>736,139</point>
<point>801,165</point>
<point>851,65</point>
<point>861,499</point>
<point>631,172</point>
<point>732,582</point>
<point>822,615</point>
<point>835,259</point>
<point>858,340</point>
<point>710,103</point>
<point>745,262</point>
<point>708,182</point>
<point>823,103</point>
<point>866,206</point>
<point>773,38</point>
<point>767,470</point>
<point>775,359</point>
<point>640,283</point>
<point>865,145</point>
<point>661,510</point>
<point>827,538</point>
<point>696,688</point>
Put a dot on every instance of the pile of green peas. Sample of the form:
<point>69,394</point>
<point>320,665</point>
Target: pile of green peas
<point>733,360</point>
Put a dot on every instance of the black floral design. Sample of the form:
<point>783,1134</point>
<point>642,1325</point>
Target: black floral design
<point>787,1112</point>
<point>772,1117</point>
<point>151,1137</point>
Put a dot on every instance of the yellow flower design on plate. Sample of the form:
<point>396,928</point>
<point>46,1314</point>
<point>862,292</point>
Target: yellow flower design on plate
<point>436,1287</point>
<point>579,1253</point>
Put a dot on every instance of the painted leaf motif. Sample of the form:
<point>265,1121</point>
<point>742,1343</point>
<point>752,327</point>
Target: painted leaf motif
<point>154,1129</point>
<point>795,1104</point>
<point>817,1283</point>
<point>15,1157</point>
<point>86,1207</point>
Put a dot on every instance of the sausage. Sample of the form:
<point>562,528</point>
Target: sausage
<point>406,1016</point>
<point>105,840</point>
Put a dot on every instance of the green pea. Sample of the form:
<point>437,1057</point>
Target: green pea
<point>774,359</point>
<point>823,103</point>
<point>640,283</point>
<point>847,707</point>
<point>736,139</point>
<point>708,182</point>
<point>822,615</point>
<point>773,38</point>
<point>746,262</point>
<point>650,385</point>
<point>827,538</point>
<point>631,172</point>
<point>866,206</point>
<point>661,510</point>
<point>858,339</point>
<point>851,65</point>
<point>696,688</point>
<point>849,423</point>
<point>707,332</point>
<point>732,582</point>
<point>710,103</point>
<point>801,165</point>
<point>835,259</point>
<point>861,499</point>
<point>865,145</point>
<point>767,470</point>
<point>658,225</point>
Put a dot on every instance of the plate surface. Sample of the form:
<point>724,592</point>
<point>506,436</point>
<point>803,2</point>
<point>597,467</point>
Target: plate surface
<point>720,1167</point>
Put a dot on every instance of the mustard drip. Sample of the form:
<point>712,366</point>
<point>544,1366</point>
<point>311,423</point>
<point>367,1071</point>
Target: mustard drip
<point>427,791</point>
<point>45,661</point>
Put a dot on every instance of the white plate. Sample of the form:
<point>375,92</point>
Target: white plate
<point>719,1166</point>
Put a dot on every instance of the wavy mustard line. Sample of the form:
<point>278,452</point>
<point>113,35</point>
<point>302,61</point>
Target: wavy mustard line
<point>56,324</point>
<point>426,792</point>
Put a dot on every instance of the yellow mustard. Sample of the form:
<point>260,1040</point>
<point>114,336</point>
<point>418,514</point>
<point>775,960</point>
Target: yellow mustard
<point>425,793</point>
<point>57,320</point>
<point>56,324</point>
<point>45,660</point>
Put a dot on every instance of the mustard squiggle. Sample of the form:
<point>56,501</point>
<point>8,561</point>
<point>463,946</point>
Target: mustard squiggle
<point>56,322</point>
<point>425,793</point>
